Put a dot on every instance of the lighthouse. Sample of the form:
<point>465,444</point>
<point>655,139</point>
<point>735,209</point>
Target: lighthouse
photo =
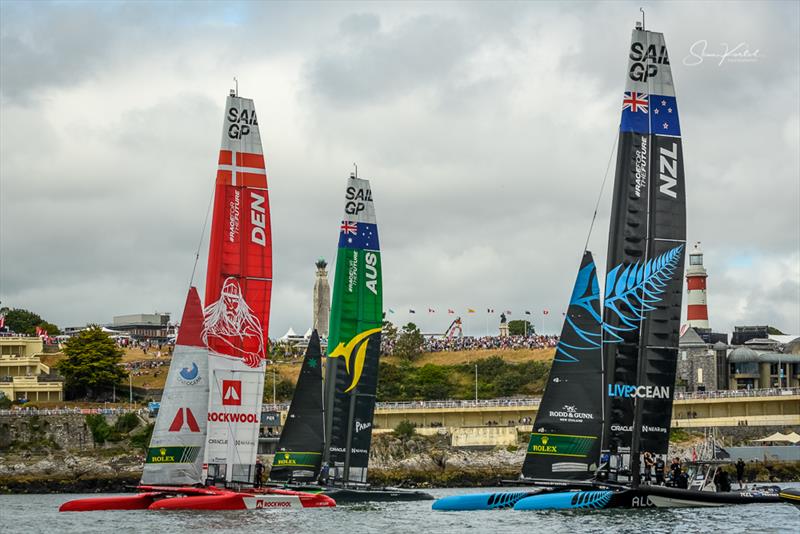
<point>697,312</point>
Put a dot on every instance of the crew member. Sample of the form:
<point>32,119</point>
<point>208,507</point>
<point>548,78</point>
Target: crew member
<point>675,471</point>
<point>648,467</point>
<point>740,472</point>
<point>259,473</point>
<point>660,465</point>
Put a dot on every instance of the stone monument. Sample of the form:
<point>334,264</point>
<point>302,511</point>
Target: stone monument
<point>503,325</point>
<point>322,299</point>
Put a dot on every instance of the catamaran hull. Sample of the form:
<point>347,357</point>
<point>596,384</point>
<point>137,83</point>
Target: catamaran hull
<point>352,495</point>
<point>125,502</point>
<point>481,501</point>
<point>643,497</point>
<point>791,496</point>
<point>190,498</point>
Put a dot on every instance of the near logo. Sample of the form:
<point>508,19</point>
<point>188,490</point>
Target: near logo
<point>177,422</point>
<point>231,392</point>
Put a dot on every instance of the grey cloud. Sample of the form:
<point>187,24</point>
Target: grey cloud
<point>484,127</point>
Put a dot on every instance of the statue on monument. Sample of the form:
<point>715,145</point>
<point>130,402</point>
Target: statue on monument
<point>502,318</point>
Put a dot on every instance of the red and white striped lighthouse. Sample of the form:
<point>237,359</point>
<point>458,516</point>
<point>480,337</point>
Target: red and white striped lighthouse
<point>697,312</point>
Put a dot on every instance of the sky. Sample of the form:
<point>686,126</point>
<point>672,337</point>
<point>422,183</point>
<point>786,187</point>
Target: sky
<point>485,129</point>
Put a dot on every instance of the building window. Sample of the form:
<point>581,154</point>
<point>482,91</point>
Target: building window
<point>696,259</point>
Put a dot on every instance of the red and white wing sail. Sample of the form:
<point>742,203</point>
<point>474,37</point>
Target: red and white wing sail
<point>238,290</point>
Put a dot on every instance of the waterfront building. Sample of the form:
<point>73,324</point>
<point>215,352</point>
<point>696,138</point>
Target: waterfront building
<point>22,373</point>
<point>144,326</point>
<point>702,361</point>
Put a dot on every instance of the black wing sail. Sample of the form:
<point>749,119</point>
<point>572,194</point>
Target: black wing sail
<point>299,452</point>
<point>645,253</point>
<point>565,442</point>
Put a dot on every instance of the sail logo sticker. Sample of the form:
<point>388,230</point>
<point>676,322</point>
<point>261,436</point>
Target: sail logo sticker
<point>624,391</point>
<point>230,328</point>
<point>241,121</point>
<point>570,414</point>
<point>258,218</point>
<point>370,261</point>
<point>362,426</point>
<point>231,392</point>
<point>354,365</point>
<point>189,376</point>
<point>668,170</point>
<point>178,420</point>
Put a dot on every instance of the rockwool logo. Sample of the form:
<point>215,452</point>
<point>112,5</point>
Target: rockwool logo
<point>231,392</point>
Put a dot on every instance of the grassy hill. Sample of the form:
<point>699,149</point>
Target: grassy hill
<point>453,364</point>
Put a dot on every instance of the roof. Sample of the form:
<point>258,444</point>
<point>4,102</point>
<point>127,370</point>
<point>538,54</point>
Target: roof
<point>746,354</point>
<point>691,338</point>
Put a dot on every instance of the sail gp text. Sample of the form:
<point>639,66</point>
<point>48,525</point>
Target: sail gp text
<point>241,121</point>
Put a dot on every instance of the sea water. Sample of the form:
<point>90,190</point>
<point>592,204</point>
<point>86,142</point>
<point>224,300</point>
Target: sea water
<point>39,513</point>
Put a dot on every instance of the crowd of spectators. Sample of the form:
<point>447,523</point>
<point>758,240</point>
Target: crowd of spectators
<point>440,344</point>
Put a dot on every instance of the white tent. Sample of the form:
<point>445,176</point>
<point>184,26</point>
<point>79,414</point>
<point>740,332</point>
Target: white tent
<point>290,334</point>
<point>794,437</point>
<point>777,436</point>
<point>307,335</point>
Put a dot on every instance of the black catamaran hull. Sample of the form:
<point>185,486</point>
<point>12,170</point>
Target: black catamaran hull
<point>355,495</point>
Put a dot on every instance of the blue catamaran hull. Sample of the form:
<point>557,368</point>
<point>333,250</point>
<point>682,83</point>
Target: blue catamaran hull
<point>482,501</point>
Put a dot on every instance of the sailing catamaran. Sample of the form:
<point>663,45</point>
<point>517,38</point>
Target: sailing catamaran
<point>635,345</point>
<point>351,373</point>
<point>206,432</point>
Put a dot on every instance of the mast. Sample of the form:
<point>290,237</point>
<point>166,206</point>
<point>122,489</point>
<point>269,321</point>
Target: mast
<point>355,337</point>
<point>238,290</point>
<point>645,258</point>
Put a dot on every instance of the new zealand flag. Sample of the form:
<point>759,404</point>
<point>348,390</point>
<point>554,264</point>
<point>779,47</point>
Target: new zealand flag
<point>641,112</point>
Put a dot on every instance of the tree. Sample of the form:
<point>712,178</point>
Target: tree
<point>25,322</point>
<point>774,331</point>
<point>92,364</point>
<point>389,331</point>
<point>409,343</point>
<point>519,327</point>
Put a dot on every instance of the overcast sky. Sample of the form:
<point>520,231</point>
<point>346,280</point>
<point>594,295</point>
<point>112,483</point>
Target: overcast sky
<point>485,129</point>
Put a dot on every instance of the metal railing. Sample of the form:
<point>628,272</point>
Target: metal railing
<point>522,402</point>
<point>737,393</point>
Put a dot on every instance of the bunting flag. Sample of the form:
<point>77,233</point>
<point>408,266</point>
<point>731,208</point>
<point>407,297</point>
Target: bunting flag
<point>470,310</point>
<point>431,310</point>
<point>391,310</point>
<point>527,312</point>
<point>545,312</point>
<point>489,310</point>
<point>508,312</point>
<point>451,312</point>
<point>411,311</point>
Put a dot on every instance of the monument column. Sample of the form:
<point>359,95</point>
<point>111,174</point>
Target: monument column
<point>322,299</point>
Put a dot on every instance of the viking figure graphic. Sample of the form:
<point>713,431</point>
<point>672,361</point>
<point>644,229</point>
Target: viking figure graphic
<point>231,329</point>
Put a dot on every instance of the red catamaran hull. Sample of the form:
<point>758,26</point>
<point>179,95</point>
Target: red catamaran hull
<point>190,498</point>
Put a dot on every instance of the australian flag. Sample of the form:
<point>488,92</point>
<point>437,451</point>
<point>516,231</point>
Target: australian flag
<point>358,235</point>
<point>641,112</point>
